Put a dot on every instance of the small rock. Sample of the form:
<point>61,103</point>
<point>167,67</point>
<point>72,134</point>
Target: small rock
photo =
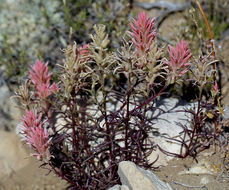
<point>204,180</point>
<point>138,179</point>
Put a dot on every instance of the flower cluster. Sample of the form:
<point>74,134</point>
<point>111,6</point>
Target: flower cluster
<point>41,79</point>
<point>142,32</point>
<point>179,56</point>
<point>81,51</point>
<point>35,134</point>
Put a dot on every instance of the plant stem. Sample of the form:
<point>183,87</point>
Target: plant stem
<point>127,115</point>
<point>73,125</point>
<point>150,99</point>
<point>108,137</point>
<point>196,124</point>
<point>65,178</point>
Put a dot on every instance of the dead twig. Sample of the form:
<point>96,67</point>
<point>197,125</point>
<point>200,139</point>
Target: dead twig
<point>189,186</point>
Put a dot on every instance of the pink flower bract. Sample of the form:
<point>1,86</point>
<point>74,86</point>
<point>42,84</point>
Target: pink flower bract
<point>142,32</point>
<point>83,50</point>
<point>31,119</point>
<point>35,134</point>
<point>41,79</point>
<point>179,56</point>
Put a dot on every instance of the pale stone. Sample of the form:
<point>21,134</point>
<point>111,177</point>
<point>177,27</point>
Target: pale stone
<point>138,179</point>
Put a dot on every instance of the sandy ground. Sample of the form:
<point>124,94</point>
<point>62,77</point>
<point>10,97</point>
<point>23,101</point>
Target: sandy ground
<point>31,177</point>
<point>212,178</point>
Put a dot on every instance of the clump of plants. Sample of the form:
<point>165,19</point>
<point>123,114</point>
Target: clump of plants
<point>99,111</point>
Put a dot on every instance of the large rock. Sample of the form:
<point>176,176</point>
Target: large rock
<point>170,112</point>
<point>222,54</point>
<point>138,179</point>
<point>12,154</point>
<point>222,47</point>
<point>9,112</point>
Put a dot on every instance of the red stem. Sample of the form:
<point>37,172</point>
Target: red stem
<point>65,178</point>
<point>150,99</point>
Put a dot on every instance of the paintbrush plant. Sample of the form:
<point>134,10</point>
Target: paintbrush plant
<point>100,110</point>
